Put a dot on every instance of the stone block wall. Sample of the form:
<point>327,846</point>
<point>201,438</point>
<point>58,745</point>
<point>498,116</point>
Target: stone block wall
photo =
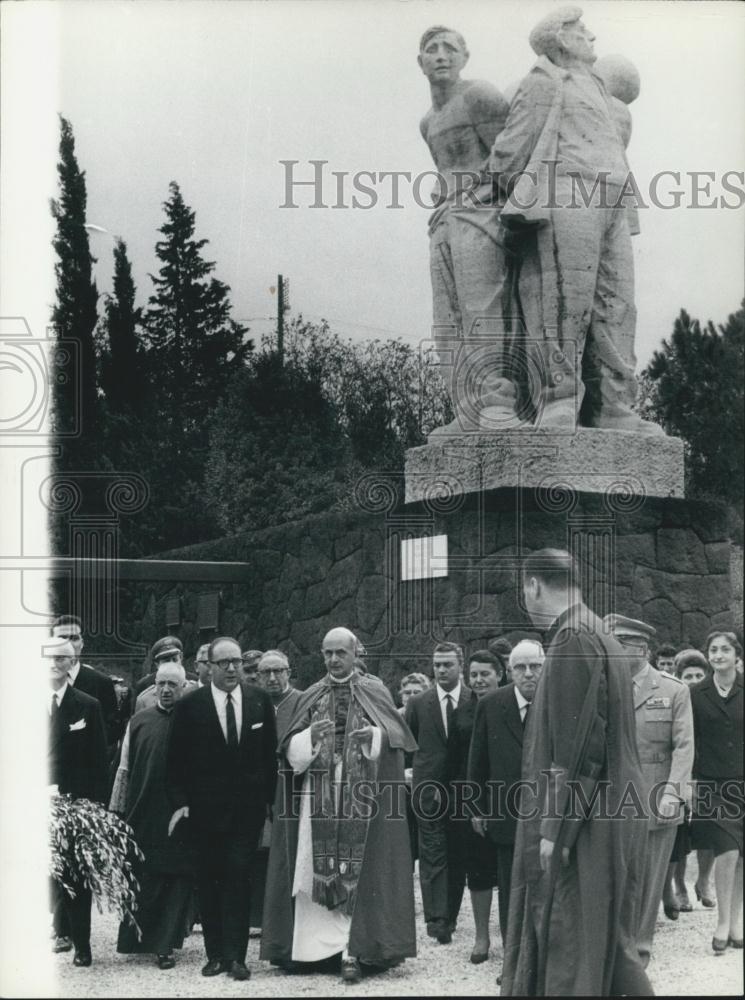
<point>665,561</point>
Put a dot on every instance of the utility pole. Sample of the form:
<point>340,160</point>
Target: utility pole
<point>283,305</point>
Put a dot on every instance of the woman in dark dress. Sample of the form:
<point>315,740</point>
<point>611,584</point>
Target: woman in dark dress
<point>718,769</point>
<point>485,671</point>
<point>691,667</point>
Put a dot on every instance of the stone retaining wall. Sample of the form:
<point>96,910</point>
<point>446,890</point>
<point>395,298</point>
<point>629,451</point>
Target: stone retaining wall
<point>665,561</point>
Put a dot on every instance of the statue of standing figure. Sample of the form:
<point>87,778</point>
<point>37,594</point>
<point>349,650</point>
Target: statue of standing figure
<point>560,200</point>
<point>467,260</point>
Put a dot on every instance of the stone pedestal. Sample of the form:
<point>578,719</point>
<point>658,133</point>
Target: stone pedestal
<point>587,460</point>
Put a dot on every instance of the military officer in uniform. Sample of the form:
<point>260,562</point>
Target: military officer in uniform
<point>664,735</point>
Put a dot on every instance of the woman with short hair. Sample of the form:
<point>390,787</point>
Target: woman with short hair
<point>717,703</point>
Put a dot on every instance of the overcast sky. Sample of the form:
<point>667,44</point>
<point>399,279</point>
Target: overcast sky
<point>214,95</point>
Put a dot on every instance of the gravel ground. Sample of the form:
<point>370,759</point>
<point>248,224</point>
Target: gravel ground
<point>683,965</point>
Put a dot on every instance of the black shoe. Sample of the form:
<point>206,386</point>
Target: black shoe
<point>213,967</point>
<point>82,959</point>
<point>238,970</point>
<point>671,912</point>
<point>61,944</point>
<point>290,967</point>
<point>445,936</point>
<point>350,970</point>
<point>166,961</point>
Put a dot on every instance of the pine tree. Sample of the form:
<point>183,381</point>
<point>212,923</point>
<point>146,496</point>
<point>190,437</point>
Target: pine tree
<point>74,316</point>
<point>122,368</point>
<point>194,347</point>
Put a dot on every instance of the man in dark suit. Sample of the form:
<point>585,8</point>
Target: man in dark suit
<point>77,767</point>
<point>222,773</point>
<point>92,682</point>
<point>495,761</point>
<point>438,718</point>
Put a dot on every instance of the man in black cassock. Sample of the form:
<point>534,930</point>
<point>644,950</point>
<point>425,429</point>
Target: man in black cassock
<point>166,876</point>
<point>576,891</point>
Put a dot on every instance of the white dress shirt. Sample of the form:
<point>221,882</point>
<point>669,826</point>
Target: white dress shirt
<point>73,672</point>
<point>522,704</point>
<point>220,699</point>
<point>57,696</point>
<point>443,696</point>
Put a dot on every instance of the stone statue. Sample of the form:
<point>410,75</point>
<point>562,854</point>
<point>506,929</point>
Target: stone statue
<point>560,164</point>
<point>467,262</point>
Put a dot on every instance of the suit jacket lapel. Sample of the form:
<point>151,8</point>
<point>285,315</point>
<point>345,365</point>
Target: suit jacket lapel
<point>512,718</point>
<point>245,724</point>
<point>212,711</point>
<point>434,706</point>
<point>64,716</point>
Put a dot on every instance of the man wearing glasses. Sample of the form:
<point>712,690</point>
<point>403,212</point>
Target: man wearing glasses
<point>202,665</point>
<point>222,771</point>
<point>495,761</point>
<point>664,735</point>
<point>166,650</point>
<point>273,675</point>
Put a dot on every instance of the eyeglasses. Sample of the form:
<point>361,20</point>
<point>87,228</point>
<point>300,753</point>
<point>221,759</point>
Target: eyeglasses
<point>272,670</point>
<point>224,664</point>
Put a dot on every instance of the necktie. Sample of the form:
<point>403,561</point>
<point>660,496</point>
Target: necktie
<point>230,722</point>
<point>55,705</point>
<point>525,713</point>
<point>449,711</point>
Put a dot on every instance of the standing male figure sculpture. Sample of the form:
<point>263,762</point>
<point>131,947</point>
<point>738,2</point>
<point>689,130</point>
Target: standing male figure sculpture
<point>560,162</point>
<point>467,262</point>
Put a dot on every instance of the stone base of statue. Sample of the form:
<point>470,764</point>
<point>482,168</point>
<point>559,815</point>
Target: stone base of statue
<point>587,460</point>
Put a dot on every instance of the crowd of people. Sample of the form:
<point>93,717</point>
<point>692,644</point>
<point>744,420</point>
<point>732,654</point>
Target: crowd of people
<point>570,770</point>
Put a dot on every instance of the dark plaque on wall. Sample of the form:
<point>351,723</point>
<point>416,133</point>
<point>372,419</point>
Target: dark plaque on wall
<point>173,612</point>
<point>208,611</point>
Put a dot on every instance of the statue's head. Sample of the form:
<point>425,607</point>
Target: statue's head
<point>442,54</point>
<point>562,37</point>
